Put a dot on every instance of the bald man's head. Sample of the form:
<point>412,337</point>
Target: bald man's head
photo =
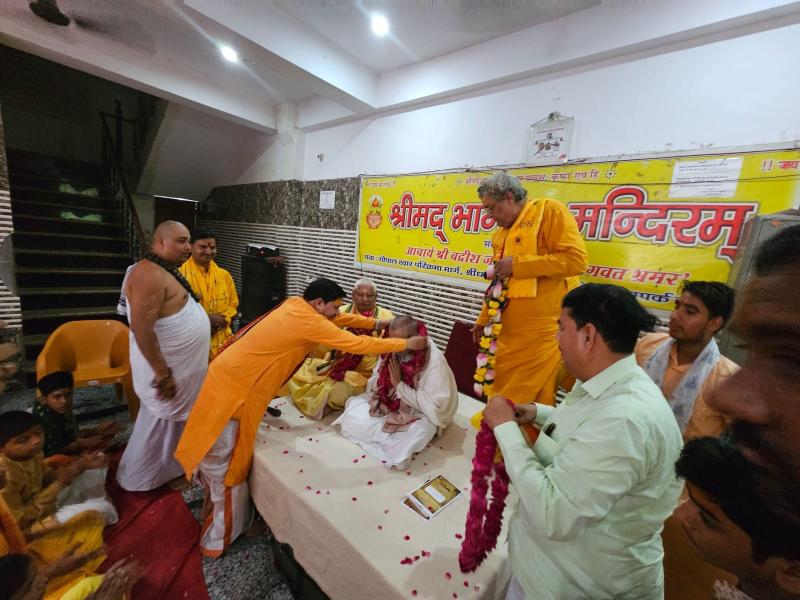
<point>171,242</point>
<point>403,326</point>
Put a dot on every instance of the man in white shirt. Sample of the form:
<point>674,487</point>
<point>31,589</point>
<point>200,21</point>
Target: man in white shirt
<point>597,485</point>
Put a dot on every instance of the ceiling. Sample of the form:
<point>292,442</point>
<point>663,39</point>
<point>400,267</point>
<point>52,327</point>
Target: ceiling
<point>420,30</point>
<point>321,57</point>
<point>292,51</point>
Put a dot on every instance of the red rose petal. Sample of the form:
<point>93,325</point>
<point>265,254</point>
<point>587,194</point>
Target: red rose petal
<point>408,472</point>
<point>369,483</point>
<point>319,492</point>
<point>406,537</point>
<point>308,487</point>
<point>425,553</point>
<point>363,456</point>
<point>380,527</point>
<point>448,576</point>
<point>302,417</point>
<point>328,493</point>
<point>466,584</point>
<point>355,460</point>
<point>354,498</point>
<point>309,439</point>
<point>406,561</point>
<point>413,592</point>
<point>455,595</point>
<point>416,558</point>
<point>286,452</point>
<point>386,511</point>
<point>477,588</point>
<point>459,536</point>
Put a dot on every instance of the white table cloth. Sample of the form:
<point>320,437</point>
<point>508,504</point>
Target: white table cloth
<point>341,511</point>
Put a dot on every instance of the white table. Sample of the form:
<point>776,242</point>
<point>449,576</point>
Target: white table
<point>341,511</point>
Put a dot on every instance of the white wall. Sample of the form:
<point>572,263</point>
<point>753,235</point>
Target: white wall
<point>737,92</point>
<point>194,152</point>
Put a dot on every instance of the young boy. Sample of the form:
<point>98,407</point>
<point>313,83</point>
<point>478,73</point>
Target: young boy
<point>732,527</point>
<point>36,494</point>
<point>61,433</point>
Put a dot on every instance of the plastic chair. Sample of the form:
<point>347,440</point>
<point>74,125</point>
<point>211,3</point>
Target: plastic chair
<point>96,352</point>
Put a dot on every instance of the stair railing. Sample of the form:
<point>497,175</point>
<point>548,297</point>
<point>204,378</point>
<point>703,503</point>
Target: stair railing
<point>117,181</point>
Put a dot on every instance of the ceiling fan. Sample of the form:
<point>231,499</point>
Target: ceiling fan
<point>111,22</point>
<point>49,11</point>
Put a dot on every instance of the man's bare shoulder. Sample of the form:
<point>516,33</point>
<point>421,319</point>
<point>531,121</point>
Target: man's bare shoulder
<point>147,275</point>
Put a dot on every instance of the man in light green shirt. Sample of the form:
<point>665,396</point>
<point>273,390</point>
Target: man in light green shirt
<point>599,482</point>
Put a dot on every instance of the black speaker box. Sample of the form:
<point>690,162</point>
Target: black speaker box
<point>263,286</point>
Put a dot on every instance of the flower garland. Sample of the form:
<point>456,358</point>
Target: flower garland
<point>495,298</point>
<point>484,521</point>
<point>384,389</point>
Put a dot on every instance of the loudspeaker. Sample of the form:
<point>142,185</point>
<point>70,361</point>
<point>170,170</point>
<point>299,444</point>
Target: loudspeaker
<point>263,286</point>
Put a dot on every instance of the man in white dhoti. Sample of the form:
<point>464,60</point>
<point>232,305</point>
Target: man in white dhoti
<point>169,338</point>
<point>410,398</point>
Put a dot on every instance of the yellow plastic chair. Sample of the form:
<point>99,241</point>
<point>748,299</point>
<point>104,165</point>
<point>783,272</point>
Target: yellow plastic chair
<point>96,352</point>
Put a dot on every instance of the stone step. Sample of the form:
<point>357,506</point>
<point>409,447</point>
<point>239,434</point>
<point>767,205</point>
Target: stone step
<point>36,240</point>
<point>66,297</point>
<point>45,321</point>
<point>33,194</point>
<point>54,184</point>
<point>86,277</point>
<point>70,259</point>
<point>54,210</point>
<point>70,226</point>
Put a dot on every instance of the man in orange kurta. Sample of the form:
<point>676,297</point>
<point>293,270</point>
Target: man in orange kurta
<point>242,380</point>
<point>538,250</point>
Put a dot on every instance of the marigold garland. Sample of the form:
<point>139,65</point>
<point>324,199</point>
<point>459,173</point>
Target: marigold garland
<point>484,521</point>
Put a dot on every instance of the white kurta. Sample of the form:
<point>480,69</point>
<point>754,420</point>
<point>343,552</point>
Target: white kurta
<point>148,460</point>
<point>434,402</point>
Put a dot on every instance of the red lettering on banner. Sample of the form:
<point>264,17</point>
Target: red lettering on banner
<point>789,164</point>
<point>407,215</point>
<point>470,218</point>
<point>625,211</point>
<point>657,277</point>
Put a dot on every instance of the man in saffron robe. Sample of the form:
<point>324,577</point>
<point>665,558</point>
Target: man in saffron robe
<point>410,398</point>
<point>328,382</point>
<point>243,379</point>
<point>538,250</point>
<point>686,362</point>
<point>169,340</point>
<point>213,284</point>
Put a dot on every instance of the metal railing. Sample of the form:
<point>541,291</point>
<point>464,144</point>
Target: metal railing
<point>116,178</point>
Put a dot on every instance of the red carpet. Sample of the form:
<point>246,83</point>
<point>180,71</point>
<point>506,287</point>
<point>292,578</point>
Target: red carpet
<point>159,531</point>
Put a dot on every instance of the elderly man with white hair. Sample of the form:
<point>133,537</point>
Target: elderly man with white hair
<point>410,398</point>
<point>323,384</point>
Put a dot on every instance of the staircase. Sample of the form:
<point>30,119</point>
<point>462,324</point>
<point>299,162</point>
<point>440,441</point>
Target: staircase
<point>70,247</point>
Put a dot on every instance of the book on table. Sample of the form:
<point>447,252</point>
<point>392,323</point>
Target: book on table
<point>429,499</point>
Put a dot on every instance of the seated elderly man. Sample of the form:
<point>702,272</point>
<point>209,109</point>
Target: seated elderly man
<point>410,398</point>
<point>327,383</point>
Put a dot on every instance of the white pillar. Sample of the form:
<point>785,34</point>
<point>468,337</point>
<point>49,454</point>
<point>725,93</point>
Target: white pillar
<point>291,142</point>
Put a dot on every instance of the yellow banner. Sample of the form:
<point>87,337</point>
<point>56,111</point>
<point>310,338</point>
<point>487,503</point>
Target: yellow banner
<point>648,224</point>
